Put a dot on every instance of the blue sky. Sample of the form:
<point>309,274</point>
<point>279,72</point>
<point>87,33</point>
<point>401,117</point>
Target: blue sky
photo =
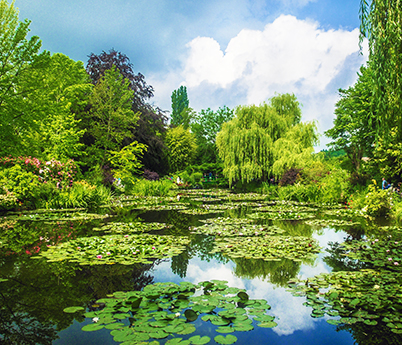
<point>228,52</point>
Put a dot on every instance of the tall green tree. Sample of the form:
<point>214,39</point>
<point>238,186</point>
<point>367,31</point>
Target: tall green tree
<point>61,88</point>
<point>355,123</point>
<point>18,57</point>
<point>248,143</point>
<point>205,126</point>
<point>181,112</point>
<point>111,115</point>
<point>150,127</point>
<point>182,147</point>
<point>381,23</point>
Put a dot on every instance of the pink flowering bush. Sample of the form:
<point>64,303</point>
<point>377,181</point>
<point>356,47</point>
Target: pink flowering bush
<point>61,174</point>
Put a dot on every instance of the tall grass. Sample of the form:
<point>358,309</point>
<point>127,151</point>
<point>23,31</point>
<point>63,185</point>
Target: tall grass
<point>81,194</point>
<point>152,188</point>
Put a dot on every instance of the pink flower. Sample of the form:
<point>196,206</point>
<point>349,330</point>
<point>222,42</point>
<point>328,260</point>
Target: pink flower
<point>108,253</point>
<point>389,259</point>
<point>125,235</point>
<point>99,256</point>
<point>395,263</point>
<point>153,248</point>
<point>387,250</point>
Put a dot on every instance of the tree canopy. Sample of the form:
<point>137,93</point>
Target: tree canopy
<point>19,56</point>
<point>255,139</point>
<point>355,123</point>
<point>181,112</point>
<point>381,23</point>
<point>182,148</point>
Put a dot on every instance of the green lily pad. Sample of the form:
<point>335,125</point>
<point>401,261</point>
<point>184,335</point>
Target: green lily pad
<point>267,324</point>
<point>229,339</point>
<point>73,309</point>
<point>92,327</point>
<point>190,315</point>
<point>198,340</point>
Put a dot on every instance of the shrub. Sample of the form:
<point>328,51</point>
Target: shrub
<point>270,191</point>
<point>8,202</point>
<point>82,194</point>
<point>290,177</point>
<point>335,186</point>
<point>152,188</point>
<point>21,183</point>
<point>151,175</point>
<point>377,202</point>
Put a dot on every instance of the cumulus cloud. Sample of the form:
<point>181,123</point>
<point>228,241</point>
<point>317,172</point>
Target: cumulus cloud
<point>288,55</point>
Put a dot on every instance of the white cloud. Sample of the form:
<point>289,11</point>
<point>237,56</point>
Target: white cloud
<point>288,55</point>
<point>289,52</point>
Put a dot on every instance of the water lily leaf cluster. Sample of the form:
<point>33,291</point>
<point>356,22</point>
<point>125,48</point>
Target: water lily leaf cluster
<point>367,296</point>
<point>229,230</point>
<point>132,227</point>
<point>59,216</point>
<point>287,215</point>
<point>199,210</point>
<point>332,222</point>
<point>382,253</point>
<point>169,311</point>
<point>226,221</point>
<point>268,248</point>
<point>285,208</point>
<point>113,249</point>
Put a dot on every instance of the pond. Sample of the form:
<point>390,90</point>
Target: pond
<point>241,269</point>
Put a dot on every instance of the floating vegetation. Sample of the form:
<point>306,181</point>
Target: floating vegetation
<point>365,296</point>
<point>229,230</point>
<point>59,216</point>
<point>169,311</point>
<point>132,227</point>
<point>331,222</point>
<point>269,247</point>
<point>383,253</point>
<point>200,211</point>
<point>226,206</point>
<point>227,220</point>
<point>370,295</point>
<point>161,207</point>
<point>116,249</point>
<point>281,215</point>
<point>286,208</point>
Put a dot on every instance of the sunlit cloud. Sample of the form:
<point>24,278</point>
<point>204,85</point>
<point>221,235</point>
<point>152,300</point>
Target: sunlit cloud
<point>288,55</point>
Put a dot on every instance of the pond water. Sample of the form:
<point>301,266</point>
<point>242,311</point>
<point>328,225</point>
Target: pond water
<point>34,292</point>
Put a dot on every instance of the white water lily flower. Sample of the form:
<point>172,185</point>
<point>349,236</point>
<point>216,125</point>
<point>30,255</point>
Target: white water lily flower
<point>95,319</point>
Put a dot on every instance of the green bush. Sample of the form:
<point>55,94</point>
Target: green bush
<point>377,202</point>
<point>8,202</point>
<point>270,191</point>
<point>153,188</point>
<point>397,210</point>
<point>335,186</point>
<point>81,194</point>
<point>23,184</point>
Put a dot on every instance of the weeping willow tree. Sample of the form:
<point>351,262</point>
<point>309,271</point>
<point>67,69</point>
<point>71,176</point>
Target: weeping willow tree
<point>260,136</point>
<point>381,24</point>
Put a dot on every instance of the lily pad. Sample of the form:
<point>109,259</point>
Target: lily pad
<point>229,339</point>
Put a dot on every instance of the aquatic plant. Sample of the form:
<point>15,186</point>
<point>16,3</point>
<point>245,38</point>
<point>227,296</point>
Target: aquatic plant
<point>169,310</point>
<point>116,249</point>
<point>296,248</point>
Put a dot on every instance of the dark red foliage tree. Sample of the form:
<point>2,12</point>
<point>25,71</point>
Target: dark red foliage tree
<point>152,122</point>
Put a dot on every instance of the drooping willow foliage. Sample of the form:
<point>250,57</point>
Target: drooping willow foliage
<point>262,141</point>
<point>381,24</point>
